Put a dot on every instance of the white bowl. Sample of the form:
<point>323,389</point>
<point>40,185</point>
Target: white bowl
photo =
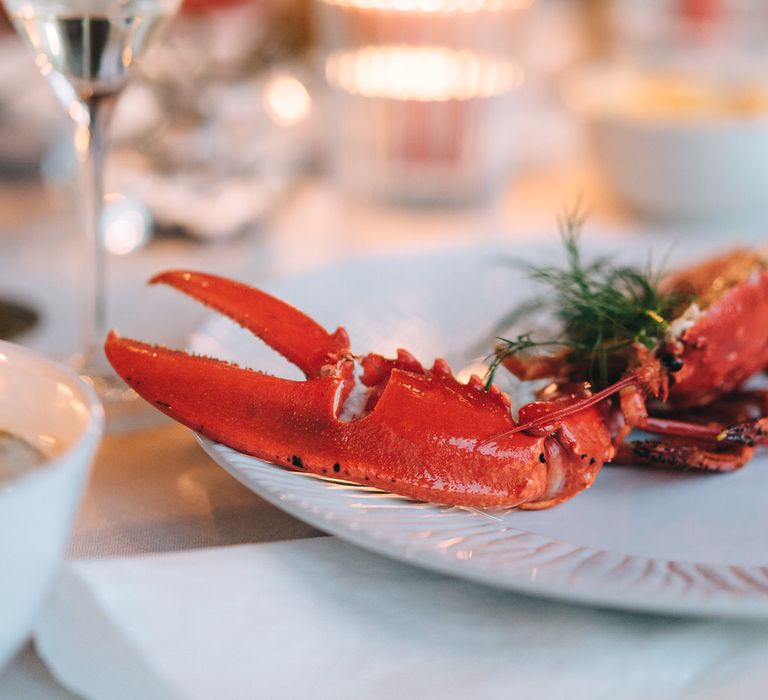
<point>55,411</point>
<point>693,166</point>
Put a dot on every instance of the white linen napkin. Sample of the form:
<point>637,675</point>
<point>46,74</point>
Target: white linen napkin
<point>322,619</point>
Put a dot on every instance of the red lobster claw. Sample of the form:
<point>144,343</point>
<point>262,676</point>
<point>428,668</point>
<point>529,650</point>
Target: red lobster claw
<point>375,421</point>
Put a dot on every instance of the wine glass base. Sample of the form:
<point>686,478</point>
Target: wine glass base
<point>124,409</point>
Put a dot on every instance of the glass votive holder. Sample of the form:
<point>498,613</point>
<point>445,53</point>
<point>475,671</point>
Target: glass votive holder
<point>421,96</point>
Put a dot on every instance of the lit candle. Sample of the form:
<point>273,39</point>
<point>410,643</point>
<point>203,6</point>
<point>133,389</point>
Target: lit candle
<point>422,90</point>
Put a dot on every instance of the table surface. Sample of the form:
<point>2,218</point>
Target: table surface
<point>155,490</point>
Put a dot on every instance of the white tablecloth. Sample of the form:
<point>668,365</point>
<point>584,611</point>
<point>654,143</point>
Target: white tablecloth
<point>322,619</point>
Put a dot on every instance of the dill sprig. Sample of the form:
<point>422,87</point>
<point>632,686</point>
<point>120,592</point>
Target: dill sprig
<point>511,347</point>
<point>603,308</point>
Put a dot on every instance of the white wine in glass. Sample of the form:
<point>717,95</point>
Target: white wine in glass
<point>86,48</point>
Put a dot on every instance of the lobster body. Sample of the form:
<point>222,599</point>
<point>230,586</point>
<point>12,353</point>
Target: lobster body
<point>725,340</point>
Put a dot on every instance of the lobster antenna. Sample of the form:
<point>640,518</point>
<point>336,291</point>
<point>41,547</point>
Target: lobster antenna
<point>629,380</point>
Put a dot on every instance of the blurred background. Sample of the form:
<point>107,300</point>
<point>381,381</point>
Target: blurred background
<point>262,137</point>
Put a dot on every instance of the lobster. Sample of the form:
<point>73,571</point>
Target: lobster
<point>393,424</point>
<point>694,373</point>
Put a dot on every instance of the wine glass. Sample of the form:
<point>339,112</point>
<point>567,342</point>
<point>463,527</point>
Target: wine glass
<point>86,48</point>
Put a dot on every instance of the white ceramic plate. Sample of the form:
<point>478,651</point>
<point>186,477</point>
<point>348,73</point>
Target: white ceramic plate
<point>680,543</point>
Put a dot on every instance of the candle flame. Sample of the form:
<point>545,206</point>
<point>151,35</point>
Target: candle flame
<point>430,6</point>
<point>421,73</point>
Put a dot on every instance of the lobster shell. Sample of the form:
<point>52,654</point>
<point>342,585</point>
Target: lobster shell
<point>728,341</point>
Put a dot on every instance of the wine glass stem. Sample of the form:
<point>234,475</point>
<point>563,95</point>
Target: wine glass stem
<point>90,146</point>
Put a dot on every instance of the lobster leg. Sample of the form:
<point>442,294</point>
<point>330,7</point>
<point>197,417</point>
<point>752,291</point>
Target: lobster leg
<point>673,454</point>
<point>750,411</point>
<point>689,445</point>
<point>667,426</point>
<point>738,418</point>
<point>747,405</point>
<point>296,336</point>
<point>750,434</point>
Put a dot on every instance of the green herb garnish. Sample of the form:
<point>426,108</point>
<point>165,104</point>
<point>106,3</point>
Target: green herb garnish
<point>512,347</point>
<point>603,308</point>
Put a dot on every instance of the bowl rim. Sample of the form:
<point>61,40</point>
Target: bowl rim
<point>574,79</point>
<point>90,435</point>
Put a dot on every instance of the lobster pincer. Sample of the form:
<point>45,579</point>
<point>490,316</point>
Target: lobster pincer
<point>387,423</point>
